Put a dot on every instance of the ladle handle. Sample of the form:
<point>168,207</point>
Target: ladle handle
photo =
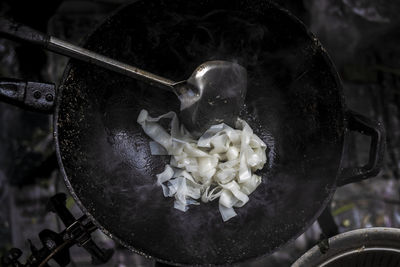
<point>16,31</point>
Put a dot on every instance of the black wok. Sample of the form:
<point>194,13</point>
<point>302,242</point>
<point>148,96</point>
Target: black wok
<point>294,103</point>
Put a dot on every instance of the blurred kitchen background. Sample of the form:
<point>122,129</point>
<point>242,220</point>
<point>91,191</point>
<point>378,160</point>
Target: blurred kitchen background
<point>362,38</point>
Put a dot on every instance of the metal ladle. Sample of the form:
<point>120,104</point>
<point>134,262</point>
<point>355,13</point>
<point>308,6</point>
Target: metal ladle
<point>213,94</point>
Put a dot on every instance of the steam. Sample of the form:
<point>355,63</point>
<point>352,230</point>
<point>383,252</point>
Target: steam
<point>346,26</point>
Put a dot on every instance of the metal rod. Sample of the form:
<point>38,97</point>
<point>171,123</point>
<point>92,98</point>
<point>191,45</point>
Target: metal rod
<point>64,48</point>
<point>55,251</point>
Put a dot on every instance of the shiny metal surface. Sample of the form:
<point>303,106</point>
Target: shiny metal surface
<point>220,90</point>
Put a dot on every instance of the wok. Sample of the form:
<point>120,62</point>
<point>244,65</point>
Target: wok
<point>294,103</point>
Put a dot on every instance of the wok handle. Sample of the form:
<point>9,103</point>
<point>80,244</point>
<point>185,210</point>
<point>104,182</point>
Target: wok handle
<point>359,123</point>
<point>30,95</point>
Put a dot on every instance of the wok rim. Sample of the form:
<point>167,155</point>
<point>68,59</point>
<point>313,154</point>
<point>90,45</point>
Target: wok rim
<point>71,190</point>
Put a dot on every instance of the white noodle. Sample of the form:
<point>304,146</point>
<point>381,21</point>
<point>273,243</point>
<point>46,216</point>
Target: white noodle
<point>218,165</point>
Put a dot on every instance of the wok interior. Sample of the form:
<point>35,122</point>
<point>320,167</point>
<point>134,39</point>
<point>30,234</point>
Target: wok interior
<point>293,103</point>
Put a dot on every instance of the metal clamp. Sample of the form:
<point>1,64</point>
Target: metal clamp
<point>32,95</point>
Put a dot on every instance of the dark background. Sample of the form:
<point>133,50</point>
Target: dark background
<point>362,38</point>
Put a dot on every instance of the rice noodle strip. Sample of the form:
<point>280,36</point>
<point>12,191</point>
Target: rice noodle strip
<point>219,165</point>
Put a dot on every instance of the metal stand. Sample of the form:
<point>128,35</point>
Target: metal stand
<point>328,227</point>
<point>327,223</point>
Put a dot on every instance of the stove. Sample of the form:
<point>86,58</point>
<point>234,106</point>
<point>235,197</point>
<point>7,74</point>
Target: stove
<point>362,39</point>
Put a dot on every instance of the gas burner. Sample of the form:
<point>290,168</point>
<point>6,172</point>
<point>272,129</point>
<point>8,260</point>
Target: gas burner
<point>56,245</point>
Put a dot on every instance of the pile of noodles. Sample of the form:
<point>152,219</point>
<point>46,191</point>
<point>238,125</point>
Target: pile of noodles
<point>219,165</point>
